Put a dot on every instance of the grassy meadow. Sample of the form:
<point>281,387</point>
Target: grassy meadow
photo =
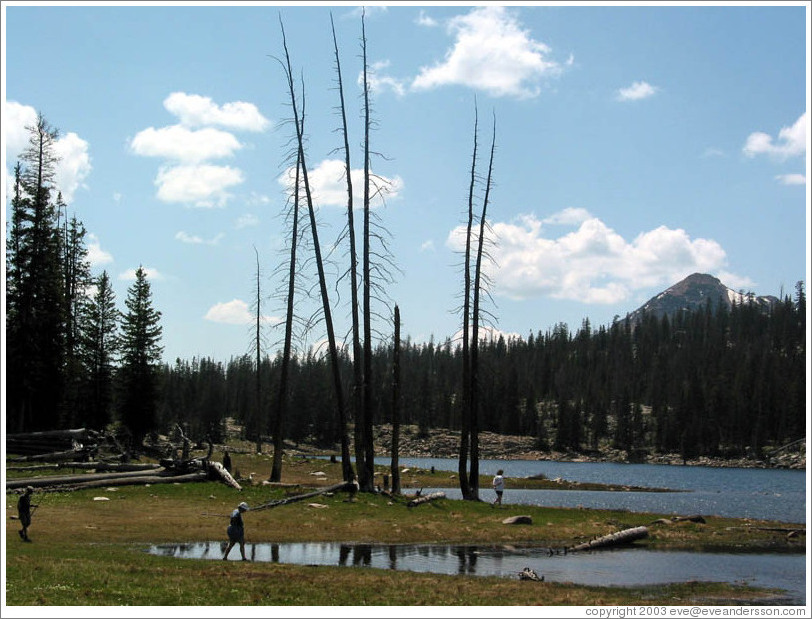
<point>89,552</point>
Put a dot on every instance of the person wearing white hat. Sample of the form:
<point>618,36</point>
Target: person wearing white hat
<point>236,531</point>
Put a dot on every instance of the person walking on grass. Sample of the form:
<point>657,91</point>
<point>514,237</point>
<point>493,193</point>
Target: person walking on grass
<point>236,531</point>
<point>24,512</point>
<point>498,487</point>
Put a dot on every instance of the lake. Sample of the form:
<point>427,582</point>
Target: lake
<point>769,494</point>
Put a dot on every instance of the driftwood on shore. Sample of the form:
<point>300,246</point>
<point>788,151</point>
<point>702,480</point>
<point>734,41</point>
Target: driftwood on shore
<point>425,499</point>
<point>626,536</point>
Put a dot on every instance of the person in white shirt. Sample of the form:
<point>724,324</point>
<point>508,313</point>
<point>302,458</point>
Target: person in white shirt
<point>498,487</point>
<point>236,531</point>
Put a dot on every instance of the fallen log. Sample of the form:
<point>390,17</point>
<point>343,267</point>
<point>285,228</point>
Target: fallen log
<point>300,497</point>
<point>425,499</point>
<point>98,466</point>
<point>141,480</point>
<point>55,455</point>
<point>56,480</point>
<point>218,471</point>
<point>626,536</point>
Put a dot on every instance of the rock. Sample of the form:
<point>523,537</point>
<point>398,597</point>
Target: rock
<point>100,498</point>
<point>518,520</point>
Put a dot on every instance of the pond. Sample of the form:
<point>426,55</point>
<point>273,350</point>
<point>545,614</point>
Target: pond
<point>611,567</point>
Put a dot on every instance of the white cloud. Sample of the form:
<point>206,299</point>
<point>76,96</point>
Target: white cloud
<point>568,217</point>
<point>151,273</point>
<point>381,83</point>
<point>95,254</point>
<point>791,141</point>
<point>637,91</point>
<point>202,186</point>
<point>791,179</point>
<point>593,263</point>
<point>236,312</point>
<point>712,152</point>
<point>185,145</point>
<point>16,118</point>
<point>328,187</point>
<point>185,237</point>
<point>248,220</point>
<point>427,246</point>
<point>197,111</point>
<point>73,166</point>
<point>425,20</point>
<point>493,53</point>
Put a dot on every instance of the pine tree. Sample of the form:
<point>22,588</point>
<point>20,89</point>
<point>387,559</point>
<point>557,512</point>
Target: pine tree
<point>140,357</point>
<point>98,350</point>
<point>35,314</point>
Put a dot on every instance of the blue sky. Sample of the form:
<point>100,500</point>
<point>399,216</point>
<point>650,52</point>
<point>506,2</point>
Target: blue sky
<point>635,145</point>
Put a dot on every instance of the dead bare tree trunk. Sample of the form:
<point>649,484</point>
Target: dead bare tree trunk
<point>465,416</point>
<point>396,405</point>
<point>367,478</point>
<point>474,470</point>
<point>258,344</point>
<point>357,353</point>
<point>325,298</point>
<point>284,374</point>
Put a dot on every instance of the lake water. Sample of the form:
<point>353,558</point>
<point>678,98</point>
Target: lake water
<point>770,494</point>
<point>611,567</point>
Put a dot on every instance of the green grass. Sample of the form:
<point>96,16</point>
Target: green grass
<point>91,553</point>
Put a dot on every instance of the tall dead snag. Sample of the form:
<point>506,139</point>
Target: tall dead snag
<point>465,418</point>
<point>366,479</point>
<point>258,346</point>
<point>478,286</point>
<point>357,354</point>
<point>325,298</point>
<point>284,373</point>
<point>396,405</point>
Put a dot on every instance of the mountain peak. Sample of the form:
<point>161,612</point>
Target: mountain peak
<point>693,293</point>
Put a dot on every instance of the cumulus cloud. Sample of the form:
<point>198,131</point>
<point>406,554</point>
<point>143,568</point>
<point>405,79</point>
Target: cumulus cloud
<point>249,220</point>
<point>73,152</point>
<point>791,141</point>
<point>236,312</point>
<point>379,82</point>
<point>198,111</point>
<point>204,186</point>
<point>329,188</point>
<point>95,254</point>
<point>193,239</point>
<point>187,175</point>
<point>151,273</point>
<point>637,91</point>
<point>492,53</point>
<point>182,144</point>
<point>425,20</point>
<point>16,118</point>
<point>791,179</point>
<point>592,263</point>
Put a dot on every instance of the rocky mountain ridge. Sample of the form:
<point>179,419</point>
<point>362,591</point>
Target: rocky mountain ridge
<point>693,293</point>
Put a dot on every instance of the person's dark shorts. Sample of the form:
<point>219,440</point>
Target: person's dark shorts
<point>25,520</point>
<point>235,534</point>
<point>499,493</point>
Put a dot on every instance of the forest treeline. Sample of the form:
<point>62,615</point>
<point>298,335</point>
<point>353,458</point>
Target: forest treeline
<point>723,382</point>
